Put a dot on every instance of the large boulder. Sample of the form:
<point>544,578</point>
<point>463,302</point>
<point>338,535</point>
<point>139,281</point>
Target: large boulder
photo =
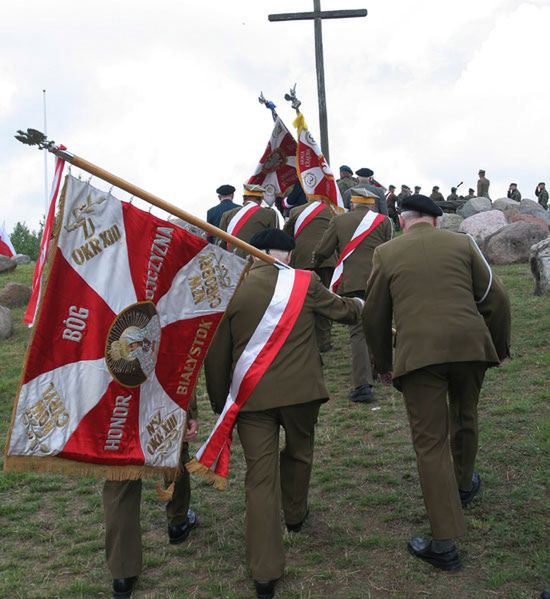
<point>482,225</point>
<point>512,243</point>
<point>7,264</point>
<point>21,258</point>
<point>535,209</point>
<point>474,206</point>
<point>6,323</point>
<point>528,218</point>
<point>505,203</point>
<point>450,222</point>
<point>14,295</point>
<point>539,259</point>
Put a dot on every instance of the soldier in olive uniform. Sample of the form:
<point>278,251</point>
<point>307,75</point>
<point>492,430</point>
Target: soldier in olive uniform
<point>404,193</point>
<point>121,505</point>
<point>483,185</point>
<point>366,181</point>
<point>264,218</point>
<point>436,195</point>
<point>471,194</point>
<point>302,257</point>
<point>453,196</point>
<point>452,317</point>
<point>542,195</point>
<point>214,214</point>
<point>288,395</point>
<point>514,193</point>
<point>346,180</point>
<point>357,270</point>
<point>391,202</point>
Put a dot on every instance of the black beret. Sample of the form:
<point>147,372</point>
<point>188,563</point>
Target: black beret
<point>225,190</point>
<point>422,204</point>
<point>453,188</point>
<point>272,239</point>
<point>346,169</point>
<point>364,172</point>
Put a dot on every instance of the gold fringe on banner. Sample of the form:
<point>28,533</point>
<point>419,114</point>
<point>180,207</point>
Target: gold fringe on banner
<point>217,481</point>
<point>54,465</point>
<point>167,494</point>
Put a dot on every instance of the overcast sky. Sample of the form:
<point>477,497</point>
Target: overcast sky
<point>164,93</point>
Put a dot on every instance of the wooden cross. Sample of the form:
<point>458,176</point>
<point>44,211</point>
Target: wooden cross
<point>317,16</point>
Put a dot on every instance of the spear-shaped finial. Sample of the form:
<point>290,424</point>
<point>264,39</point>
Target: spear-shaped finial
<point>33,137</point>
<point>291,97</point>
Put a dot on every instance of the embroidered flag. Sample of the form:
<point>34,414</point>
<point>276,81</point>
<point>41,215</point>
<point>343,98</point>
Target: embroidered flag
<point>307,215</point>
<point>6,246</point>
<point>276,171</point>
<point>212,459</point>
<point>369,222</point>
<point>315,175</point>
<point>32,306</point>
<point>130,305</point>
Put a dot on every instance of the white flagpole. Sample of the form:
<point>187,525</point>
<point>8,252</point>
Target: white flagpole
<point>46,194</point>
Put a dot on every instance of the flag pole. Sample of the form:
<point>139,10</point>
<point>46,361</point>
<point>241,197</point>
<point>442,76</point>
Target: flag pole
<point>33,137</point>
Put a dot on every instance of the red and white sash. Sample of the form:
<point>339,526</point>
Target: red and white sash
<point>307,215</point>
<point>240,218</point>
<point>266,341</point>
<point>370,221</point>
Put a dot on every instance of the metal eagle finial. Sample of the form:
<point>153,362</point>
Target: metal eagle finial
<point>291,97</point>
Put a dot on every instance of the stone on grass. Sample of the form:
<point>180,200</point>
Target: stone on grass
<point>539,259</point>
<point>21,258</point>
<point>504,203</point>
<point>6,323</point>
<point>450,222</point>
<point>482,225</point>
<point>513,242</point>
<point>7,264</point>
<point>14,295</point>
<point>474,206</point>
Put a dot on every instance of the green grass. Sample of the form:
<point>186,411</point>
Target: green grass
<point>365,498</point>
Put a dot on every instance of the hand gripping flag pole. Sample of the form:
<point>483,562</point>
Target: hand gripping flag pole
<point>33,137</point>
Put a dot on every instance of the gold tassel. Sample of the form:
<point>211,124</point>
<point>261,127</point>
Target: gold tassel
<point>167,494</point>
<point>300,121</point>
<point>217,481</point>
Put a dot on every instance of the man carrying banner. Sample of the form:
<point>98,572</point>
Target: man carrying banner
<point>453,321</point>
<point>262,352</point>
<point>354,236</point>
<point>121,505</point>
<point>244,221</point>
<point>307,224</point>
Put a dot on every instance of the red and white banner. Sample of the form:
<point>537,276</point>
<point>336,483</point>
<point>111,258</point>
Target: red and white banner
<point>369,222</point>
<point>315,175</point>
<point>6,246</point>
<point>212,459</point>
<point>276,171</point>
<point>32,306</point>
<point>307,215</point>
<point>129,308</point>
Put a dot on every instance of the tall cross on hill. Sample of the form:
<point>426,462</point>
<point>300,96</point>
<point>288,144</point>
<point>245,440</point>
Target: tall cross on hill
<point>317,16</point>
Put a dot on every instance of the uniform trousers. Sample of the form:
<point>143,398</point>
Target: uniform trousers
<point>121,505</point>
<point>274,477</point>
<point>445,437</point>
<point>361,368</point>
<point>323,325</point>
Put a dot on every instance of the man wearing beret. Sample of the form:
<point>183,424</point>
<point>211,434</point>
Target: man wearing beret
<point>452,317</point>
<point>225,197</point>
<point>542,195</point>
<point>366,181</point>
<point>288,393</point>
<point>121,505</point>
<point>483,185</point>
<point>453,196</point>
<point>471,194</point>
<point>243,222</point>
<point>346,180</point>
<point>514,193</point>
<point>354,236</point>
<point>436,195</point>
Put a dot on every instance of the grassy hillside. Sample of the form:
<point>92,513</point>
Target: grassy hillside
<point>365,498</point>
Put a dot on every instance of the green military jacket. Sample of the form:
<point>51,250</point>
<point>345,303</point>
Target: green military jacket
<point>453,197</point>
<point>264,218</point>
<point>311,235</point>
<point>543,198</point>
<point>431,280</point>
<point>483,187</point>
<point>295,376</point>
<point>437,196</point>
<point>358,266</point>
<point>515,195</point>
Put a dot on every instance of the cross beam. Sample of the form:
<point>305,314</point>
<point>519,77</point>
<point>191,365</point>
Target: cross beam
<point>317,16</point>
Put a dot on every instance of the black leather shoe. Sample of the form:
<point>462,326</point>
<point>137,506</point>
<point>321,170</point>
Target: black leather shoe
<point>177,533</point>
<point>422,548</point>
<point>362,394</point>
<point>466,497</point>
<point>265,590</point>
<point>298,526</point>
<point>124,587</point>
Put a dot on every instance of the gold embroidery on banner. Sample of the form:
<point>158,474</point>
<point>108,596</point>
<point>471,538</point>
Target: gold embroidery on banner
<point>214,277</point>
<point>163,435</point>
<point>41,418</point>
